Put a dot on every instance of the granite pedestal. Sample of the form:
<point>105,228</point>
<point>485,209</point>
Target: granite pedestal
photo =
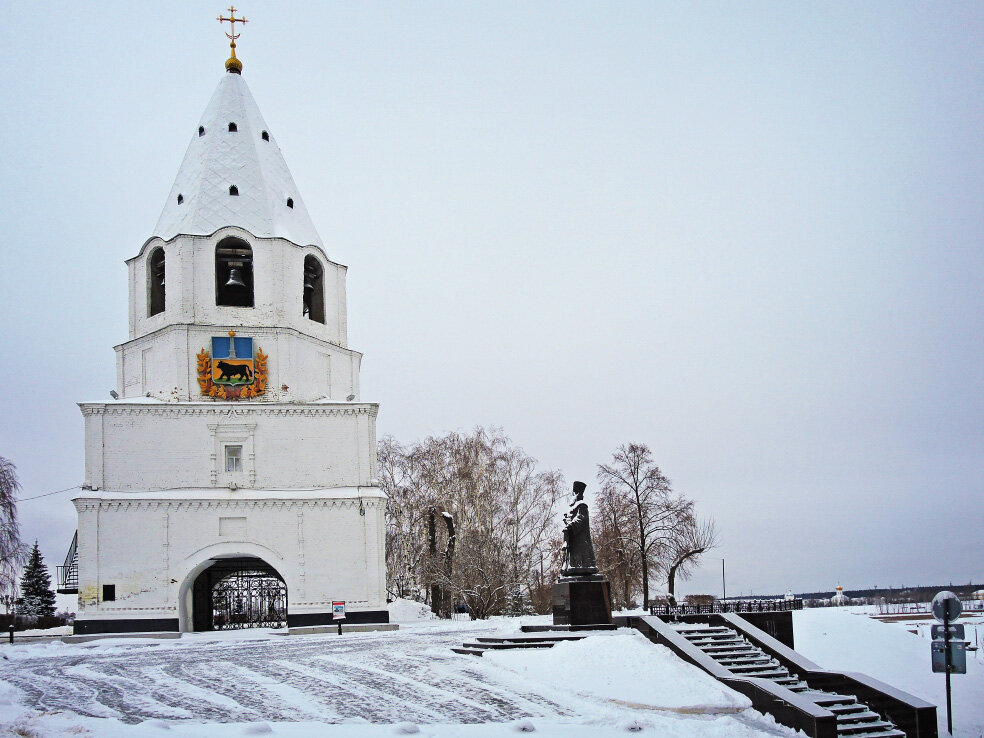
<point>583,600</point>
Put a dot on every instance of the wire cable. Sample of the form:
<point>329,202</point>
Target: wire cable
<point>48,494</point>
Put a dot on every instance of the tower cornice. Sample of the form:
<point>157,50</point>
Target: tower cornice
<point>225,411</point>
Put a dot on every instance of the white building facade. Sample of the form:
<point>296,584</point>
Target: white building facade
<point>231,480</point>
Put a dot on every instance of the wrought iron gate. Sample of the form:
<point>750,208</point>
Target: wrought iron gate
<point>249,598</point>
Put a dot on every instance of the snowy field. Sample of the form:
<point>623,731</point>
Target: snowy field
<point>847,639</point>
<point>409,682</point>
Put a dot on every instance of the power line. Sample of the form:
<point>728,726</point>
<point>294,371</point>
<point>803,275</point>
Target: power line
<point>48,494</point>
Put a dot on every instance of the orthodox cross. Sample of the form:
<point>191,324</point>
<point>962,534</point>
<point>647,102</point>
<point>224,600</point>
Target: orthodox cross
<point>232,20</point>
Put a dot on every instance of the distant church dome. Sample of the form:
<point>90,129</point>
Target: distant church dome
<point>839,597</point>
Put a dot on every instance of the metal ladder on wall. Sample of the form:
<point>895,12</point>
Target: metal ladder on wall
<point>733,652</point>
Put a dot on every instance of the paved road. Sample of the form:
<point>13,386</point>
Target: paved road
<point>386,678</point>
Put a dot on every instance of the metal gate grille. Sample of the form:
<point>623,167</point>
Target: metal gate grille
<point>249,598</point>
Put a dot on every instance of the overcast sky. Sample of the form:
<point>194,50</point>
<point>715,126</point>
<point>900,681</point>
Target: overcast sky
<point>747,235</point>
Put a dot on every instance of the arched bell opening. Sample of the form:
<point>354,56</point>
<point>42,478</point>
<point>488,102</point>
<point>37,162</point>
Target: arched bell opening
<point>314,289</point>
<point>235,593</point>
<point>155,279</point>
<point>233,273</point>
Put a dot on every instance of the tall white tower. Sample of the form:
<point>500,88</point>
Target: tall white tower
<point>232,484</point>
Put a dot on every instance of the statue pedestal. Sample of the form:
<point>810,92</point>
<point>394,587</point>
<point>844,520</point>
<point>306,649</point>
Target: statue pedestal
<point>582,601</point>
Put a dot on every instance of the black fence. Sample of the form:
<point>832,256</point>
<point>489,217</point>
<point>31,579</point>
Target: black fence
<point>735,606</point>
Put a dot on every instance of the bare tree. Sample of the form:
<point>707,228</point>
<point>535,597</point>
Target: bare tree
<point>12,551</point>
<point>656,511</point>
<point>400,477</point>
<point>503,508</point>
<point>615,548</point>
<point>692,539</point>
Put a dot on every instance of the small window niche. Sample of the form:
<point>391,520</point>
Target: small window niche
<point>232,527</point>
<point>290,202</point>
<point>234,458</point>
<point>109,593</point>
<point>233,273</point>
<point>233,128</point>
<point>314,289</point>
<point>181,198</point>
<point>233,190</point>
<point>201,131</point>
<point>265,136</point>
<point>156,296</point>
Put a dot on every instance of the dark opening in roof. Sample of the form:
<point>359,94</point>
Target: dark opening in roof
<point>290,202</point>
<point>201,130</point>
<point>233,190</point>
<point>233,128</point>
<point>180,198</point>
<point>265,136</point>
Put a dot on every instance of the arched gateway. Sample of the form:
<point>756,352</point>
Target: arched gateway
<point>242,592</point>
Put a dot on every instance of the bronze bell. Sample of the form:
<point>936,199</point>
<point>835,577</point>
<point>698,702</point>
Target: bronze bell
<point>309,278</point>
<point>235,278</point>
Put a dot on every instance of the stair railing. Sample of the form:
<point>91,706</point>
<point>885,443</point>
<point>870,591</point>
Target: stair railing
<point>68,574</point>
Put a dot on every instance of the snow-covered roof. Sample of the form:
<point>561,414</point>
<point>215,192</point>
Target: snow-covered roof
<point>219,158</point>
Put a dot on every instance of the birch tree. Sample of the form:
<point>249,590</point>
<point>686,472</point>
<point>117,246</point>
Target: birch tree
<point>503,507</point>
<point>12,550</point>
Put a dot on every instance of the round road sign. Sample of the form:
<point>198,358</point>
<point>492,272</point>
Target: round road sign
<point>947,603</point>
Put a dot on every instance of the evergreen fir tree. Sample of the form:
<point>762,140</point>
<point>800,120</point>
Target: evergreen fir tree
<point>35,586</point>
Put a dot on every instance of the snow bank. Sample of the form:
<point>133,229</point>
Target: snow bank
<point>408,611</point>
<point>837,638</point>
<point>625,668</point>
<point>57,631</point>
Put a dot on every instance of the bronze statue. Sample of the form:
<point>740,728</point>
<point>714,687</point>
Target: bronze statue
<point>579,558</point>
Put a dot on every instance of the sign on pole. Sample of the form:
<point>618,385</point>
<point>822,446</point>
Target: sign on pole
<point>954,631</point>
<point>338,610</point>
<point>958,657</point>
<point>947,606</point>
<point>949,656</point>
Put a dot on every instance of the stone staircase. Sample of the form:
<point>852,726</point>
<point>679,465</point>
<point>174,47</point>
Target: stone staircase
<point>500,643</point>
<point>743,659</point>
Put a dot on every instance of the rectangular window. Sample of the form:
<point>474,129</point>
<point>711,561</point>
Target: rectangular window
<point>233,458</point>
<point>109,593</point>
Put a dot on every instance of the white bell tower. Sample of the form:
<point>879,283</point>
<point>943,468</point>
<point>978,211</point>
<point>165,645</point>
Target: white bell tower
<point>238,458</point>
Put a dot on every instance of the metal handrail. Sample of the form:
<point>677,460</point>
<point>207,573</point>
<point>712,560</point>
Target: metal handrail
<point>68,574</point>
<point>72,551</point>
<point>738,606</point>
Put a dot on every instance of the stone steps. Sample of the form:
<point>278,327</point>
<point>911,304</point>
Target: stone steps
<point>508,643</point>
<point>744,659</point>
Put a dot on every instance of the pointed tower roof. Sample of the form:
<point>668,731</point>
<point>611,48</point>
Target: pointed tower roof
<point>233,148</point>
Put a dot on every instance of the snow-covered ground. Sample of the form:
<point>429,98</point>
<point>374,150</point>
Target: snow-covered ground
<point>364,685</point>
<point>845,638</point>
<point>626,668</point>
<point>217,685</point>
